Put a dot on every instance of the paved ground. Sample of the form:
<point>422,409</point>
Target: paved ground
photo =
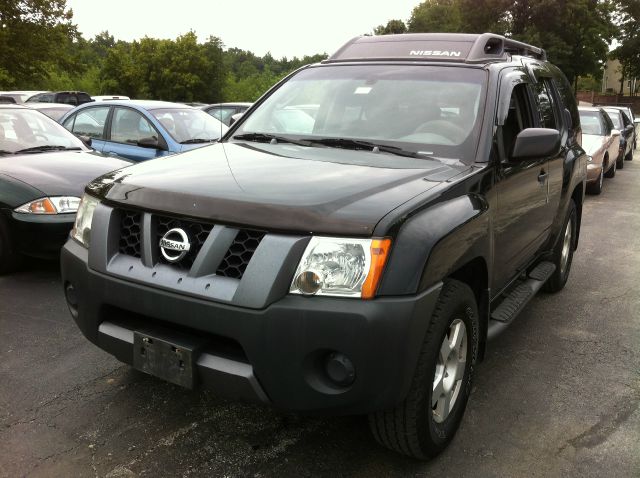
<point>558,394</point>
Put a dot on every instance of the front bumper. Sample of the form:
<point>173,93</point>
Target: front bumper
<point>593,172</point>
<point>39,235</point>
<point>274,354</point>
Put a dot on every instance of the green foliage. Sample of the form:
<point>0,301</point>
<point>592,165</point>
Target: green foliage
<point>628,20</point>
<point>32,32</point>
<point>437,16</point>
<point>589,83</point>
<point>392,27</point>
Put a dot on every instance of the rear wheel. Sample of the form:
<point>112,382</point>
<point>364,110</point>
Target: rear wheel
<point>629,155</point>
<point>9,258</point>
<point>425,422</point>
<point>563,252</point>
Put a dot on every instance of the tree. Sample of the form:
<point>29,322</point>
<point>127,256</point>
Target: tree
<point>436,16</point>
<point>627,17</point>
<point>33,34</point>
<point>392,27</point>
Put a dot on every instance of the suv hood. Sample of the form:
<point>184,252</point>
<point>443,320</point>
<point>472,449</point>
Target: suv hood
<point>62,173</point>
<point>277,187</point>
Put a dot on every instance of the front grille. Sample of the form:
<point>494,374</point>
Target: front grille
<point>197,232</point>
<point>240,252</point>
<point>130,233</point>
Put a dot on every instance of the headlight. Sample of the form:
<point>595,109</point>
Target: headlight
<point>81,231</point>
<point>341,267</point>
<point>50,205</point>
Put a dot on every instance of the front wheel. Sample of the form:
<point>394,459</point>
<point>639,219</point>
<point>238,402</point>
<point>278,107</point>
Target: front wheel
<point>612,170</point>
<point>596,187</point>
<point>425,422</point>
<point>563,252</point>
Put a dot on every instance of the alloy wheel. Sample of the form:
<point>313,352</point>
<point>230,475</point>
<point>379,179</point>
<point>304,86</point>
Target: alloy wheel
<point>450,367</point>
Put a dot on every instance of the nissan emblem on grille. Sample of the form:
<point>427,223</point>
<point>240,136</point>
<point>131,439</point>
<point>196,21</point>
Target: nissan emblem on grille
<point>174,245</point>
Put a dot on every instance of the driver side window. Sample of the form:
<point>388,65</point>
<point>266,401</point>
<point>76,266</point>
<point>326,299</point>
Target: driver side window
<point>518,119</point>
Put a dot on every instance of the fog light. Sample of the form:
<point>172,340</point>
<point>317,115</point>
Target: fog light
<point>309,282</point>
<point>340,369</point>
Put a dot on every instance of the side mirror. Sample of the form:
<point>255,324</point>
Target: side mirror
<point>629,128</point>
<point>536,143</point>
<point>615,132</point>
<point>235,118</point>
<point>150,142</point>
<point>636,121</point>
<point>85,139</point>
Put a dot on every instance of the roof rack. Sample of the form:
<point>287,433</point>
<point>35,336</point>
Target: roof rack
<point>458,47</point>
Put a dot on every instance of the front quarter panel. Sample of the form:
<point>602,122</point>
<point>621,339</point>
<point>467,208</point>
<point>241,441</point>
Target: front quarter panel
<point>435,241</point>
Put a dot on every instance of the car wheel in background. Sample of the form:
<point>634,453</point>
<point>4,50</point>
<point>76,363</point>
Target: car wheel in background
<point>596,187</point>
<point>425,422</point>
<point>629,155</point>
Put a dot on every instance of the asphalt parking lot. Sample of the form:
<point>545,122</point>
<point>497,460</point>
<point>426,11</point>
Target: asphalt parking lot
<point>558,394</point>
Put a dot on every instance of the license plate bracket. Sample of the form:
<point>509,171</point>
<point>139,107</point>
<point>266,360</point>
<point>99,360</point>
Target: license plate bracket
<point>171,359</point>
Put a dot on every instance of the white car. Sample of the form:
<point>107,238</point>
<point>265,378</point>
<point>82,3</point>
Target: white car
<point>109,97</point>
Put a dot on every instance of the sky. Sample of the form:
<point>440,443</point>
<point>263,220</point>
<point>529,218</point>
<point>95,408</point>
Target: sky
<point>283,27</point>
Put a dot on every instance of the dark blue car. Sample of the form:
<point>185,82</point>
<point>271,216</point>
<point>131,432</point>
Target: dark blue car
<point>143,129</point>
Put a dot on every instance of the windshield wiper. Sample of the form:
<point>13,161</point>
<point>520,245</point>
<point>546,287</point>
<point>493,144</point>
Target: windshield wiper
<point>47,147</point>
<point>358,144</point>
<point>198,140</point>
<point>271,138</point>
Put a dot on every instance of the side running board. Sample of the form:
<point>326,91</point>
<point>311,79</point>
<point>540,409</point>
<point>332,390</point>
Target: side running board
<point>518,297</point>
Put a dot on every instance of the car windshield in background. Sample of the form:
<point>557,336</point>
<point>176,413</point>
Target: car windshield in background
<point>416,109</point>
<point>615,118</point>
<point>190,125</point>
<point>591,123</point>
<point>27,131</point>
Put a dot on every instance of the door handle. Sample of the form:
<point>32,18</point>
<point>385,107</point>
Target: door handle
<point>542,177</point>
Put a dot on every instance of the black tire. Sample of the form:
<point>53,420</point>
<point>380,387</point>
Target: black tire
<point>596,188</point>
<point>620,162</point>
<point>411,427</point>
<point>629,155</point>
<point>558,279</point>
<point>9,258</point>
<point>612,170</point>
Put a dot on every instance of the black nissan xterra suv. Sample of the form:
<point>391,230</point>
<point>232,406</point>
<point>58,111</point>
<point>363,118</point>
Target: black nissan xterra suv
<point>352,242</point>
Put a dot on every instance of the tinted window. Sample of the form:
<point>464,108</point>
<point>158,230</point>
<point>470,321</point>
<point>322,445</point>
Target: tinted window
<point>518,118</point>
<point>66,98</point>
<point>83,98</point>
<point>129,126</point>
<point>546,106</point>
<point>90,122</point>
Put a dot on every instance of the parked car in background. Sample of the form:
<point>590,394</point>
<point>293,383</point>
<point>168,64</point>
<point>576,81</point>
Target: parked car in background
<point>55,111</point>
<point>109,97</point>
<point>5,99</point>
<point>143,129</point>
<point>67,97</point>
<point>623,124</point>
<point>629,113</point>
<point>224,111</point>
<point>601,141</point>
<point>20,96</point>
<point>43,171</point>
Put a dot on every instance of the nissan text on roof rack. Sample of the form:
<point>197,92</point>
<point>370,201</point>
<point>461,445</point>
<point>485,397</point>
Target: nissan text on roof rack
<point>350,258</point>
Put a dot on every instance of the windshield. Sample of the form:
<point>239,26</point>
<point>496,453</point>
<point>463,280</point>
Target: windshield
<point>23,129</point>
<point>615,118</point>
<point>591,123</point>
<point>190,125</point>
<point>415,108</point>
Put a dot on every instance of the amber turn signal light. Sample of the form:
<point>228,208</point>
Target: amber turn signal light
<point>379,252</point>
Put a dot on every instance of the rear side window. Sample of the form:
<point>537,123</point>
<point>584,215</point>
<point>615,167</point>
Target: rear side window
<point>83,98</point>
<point>90,122</point>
